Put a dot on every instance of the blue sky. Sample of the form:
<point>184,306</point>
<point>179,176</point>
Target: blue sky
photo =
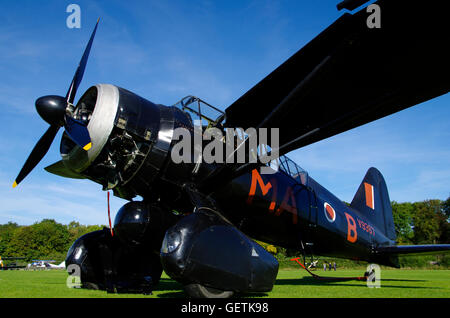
<point>165,50</point>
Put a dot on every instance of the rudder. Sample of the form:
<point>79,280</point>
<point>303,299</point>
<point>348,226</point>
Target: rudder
<point>372,201</point>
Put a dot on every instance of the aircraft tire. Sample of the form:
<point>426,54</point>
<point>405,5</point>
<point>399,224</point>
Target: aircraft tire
<point>200,291</point>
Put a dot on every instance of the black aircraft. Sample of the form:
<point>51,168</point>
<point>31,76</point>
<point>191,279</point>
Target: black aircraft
<point>197,221</point>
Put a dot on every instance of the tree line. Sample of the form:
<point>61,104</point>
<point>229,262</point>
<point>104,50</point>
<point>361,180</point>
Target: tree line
<point>42,240</point>
<point>425,222</point>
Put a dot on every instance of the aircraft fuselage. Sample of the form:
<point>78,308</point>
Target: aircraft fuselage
<point>281,210</point>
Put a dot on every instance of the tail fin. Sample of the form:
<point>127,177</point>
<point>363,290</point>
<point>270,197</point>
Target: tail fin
<point>372,201</point>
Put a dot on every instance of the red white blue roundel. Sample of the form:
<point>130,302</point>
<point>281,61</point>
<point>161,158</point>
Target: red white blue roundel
<point>329,212</point>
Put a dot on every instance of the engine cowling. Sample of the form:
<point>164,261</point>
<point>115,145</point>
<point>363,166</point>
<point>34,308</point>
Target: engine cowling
<point>131,140</point>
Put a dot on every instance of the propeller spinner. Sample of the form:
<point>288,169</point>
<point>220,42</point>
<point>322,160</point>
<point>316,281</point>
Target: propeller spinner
<point>58,112</point>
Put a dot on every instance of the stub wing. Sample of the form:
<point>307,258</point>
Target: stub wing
<point>61,170</point>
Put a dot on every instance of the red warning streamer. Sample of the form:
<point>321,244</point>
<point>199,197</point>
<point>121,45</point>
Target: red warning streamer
<point>363,278</point>
<point>109,217</point>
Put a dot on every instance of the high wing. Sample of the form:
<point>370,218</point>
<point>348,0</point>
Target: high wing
<point>351,74</point>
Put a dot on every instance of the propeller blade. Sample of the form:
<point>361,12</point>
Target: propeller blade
<point>51,108</point>
<point>78,132</point>
<point>37,153</point>
<point>76,129</point>
<point>70,97</point>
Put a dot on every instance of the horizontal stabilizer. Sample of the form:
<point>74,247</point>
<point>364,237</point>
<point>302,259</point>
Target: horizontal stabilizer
<point>415,249</point>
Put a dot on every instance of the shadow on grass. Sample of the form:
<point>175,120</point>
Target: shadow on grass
<point>250,295</point>
<point>179,294</point>
<point>311,281</point>
<point>401,280</point>
<point>171,289</point>
<point>168,284</point>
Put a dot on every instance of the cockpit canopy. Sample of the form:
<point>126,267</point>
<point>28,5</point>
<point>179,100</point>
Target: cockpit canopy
<point>198,109</point>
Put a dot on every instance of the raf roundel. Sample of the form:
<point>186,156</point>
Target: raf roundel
<point>329,212</point>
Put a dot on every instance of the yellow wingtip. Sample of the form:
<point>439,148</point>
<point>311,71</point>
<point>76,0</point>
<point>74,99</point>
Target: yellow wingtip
<point>14,184</point>
<point>88,146</point>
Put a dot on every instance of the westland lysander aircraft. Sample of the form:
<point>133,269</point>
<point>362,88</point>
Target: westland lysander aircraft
<point>193,216</point>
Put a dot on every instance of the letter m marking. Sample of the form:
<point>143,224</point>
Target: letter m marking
<point>257,179</point>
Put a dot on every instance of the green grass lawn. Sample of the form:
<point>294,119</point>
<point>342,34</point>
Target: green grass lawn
<point>290,283</point>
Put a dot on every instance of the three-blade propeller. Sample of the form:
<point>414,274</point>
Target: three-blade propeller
<point>57,111</point>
